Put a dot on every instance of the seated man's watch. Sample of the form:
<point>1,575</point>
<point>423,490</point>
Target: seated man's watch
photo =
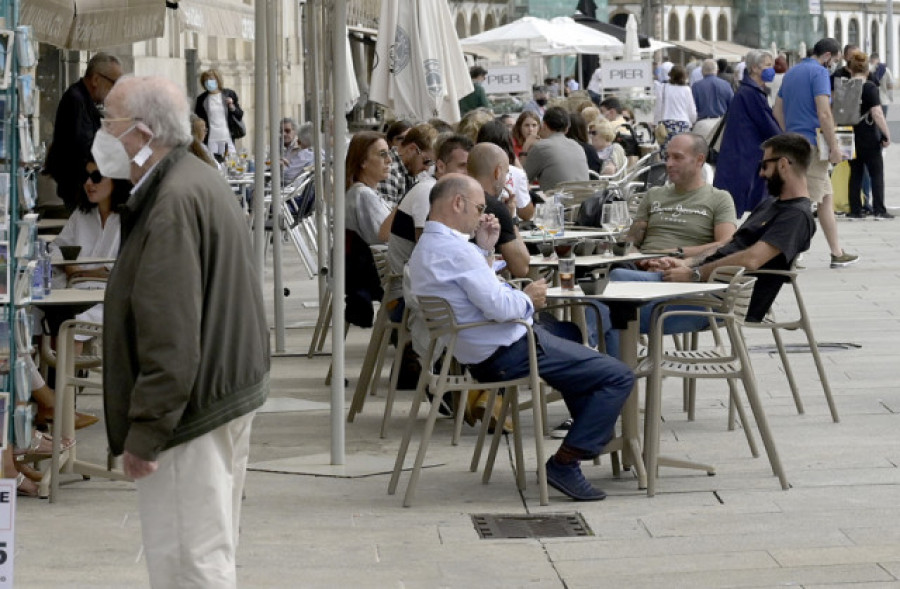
<point>696,276</point>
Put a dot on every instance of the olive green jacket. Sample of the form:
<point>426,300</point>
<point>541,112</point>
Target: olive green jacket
<point>186,344</point>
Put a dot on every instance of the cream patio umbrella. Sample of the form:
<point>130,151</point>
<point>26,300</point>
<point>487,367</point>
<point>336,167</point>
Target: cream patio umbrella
<point>419,72</point>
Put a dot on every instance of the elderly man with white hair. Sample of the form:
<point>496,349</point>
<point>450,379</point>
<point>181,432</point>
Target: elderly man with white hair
<point>183,373</point>
<point>712,96</point>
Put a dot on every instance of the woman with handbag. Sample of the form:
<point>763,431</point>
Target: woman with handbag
<point>871,135</point>
<point>675,109</point>
<point>219,107</point>
<point>748,123</point>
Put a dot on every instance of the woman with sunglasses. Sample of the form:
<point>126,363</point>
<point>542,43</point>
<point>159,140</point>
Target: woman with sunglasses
<point>94,226</point>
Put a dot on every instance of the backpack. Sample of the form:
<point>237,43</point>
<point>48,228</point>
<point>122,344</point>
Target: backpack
<point>846,99</point>
<point>590,213</point>
<point>628,141</point>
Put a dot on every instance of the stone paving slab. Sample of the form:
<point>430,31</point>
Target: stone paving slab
<point>839,524</point>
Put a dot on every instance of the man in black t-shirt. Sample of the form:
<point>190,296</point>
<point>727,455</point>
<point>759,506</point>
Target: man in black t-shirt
<point>489,165</point>
<point>777,230</point>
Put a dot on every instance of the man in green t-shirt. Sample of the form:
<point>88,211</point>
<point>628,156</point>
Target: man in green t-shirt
<point>687,216</point>
<point>478,97</point>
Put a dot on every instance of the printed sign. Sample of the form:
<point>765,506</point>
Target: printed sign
<point>815,7</point>
<point>625,74</point>
<point>7,529</point>
<point>507,79</point>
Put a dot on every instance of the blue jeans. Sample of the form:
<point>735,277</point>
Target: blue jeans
<point>678,324</point>
<point>594,386</point>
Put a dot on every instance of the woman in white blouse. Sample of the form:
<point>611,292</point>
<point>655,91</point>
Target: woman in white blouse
<point>220,109</point>
<point>675,108</point>
<point>95,227</point>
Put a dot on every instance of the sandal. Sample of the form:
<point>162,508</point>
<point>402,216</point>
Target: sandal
<point>42,443</point>
<point>25,487</point>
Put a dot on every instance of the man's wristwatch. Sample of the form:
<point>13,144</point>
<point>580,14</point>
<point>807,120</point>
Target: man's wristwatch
<point>696,276</point>
<point>679,252</point>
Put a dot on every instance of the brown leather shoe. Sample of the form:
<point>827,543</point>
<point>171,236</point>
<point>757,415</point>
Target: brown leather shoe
<point>83,420</point>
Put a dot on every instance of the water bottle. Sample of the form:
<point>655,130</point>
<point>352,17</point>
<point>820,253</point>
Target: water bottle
<point>37,279</point>
<point>47,268</point>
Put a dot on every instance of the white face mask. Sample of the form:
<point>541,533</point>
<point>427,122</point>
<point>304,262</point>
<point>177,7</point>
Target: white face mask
<point>110,155</point>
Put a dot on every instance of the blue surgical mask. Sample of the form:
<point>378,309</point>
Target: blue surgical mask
<point>211,85</point>
<point>768,74</point>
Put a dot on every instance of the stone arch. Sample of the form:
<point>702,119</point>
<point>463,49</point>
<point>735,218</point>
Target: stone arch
<point>620,19</point>
<point>462,31</point>
<point>489,22</point>
<point>706,30</point>
<point>723,29</point>
<point>690,27</point>
<point>839,31</point>
<point>853,32</point>
<point>475,24</point>
<point>674,27</point>
<point>823,27</point>
<point>874,44</point>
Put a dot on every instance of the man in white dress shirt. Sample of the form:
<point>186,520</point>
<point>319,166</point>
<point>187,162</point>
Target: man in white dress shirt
<point>446,264</point>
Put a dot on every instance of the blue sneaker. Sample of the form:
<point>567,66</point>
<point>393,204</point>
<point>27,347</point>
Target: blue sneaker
<point>569,480</point>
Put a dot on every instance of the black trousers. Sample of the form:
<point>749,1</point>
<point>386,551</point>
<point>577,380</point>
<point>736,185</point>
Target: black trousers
<point>867,157</point>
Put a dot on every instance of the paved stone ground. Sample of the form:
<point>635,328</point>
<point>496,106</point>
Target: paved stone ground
<point>839,524</point>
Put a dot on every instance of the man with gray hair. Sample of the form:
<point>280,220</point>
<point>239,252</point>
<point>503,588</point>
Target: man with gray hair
<point>77,120</point>
<point>297,153</point>
<point>712,95</point>
<point>184,374</point>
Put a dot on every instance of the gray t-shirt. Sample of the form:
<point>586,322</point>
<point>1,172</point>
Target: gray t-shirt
<point>365,211</point>
<point>556,159</point>
<point>683,220</point>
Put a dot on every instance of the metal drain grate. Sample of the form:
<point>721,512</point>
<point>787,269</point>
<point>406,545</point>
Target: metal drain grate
<point>549,525</point>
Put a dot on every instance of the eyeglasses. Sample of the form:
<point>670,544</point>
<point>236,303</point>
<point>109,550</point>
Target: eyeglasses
<point>765,163</point>
<point>107,78</point>
<point>105,122</point>
<point>95,177</point>
<point>478,207</point>
<point>384,154</point>
<point>425,160</point>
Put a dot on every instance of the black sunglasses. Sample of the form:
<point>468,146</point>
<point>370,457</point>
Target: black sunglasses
<point>96,177</point>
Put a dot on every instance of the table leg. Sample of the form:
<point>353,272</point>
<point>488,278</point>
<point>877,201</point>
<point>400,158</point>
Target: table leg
<point>631,449</point>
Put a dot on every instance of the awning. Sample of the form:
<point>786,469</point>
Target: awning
<point>217,18</point>
<point>97,24</point>
<point>714,49</point>
<point>94,24</point>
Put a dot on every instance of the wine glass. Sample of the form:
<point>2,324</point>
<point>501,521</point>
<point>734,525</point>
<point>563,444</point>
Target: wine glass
<point>609,222</point>
<point>552,219</point>
<point>540,214</point>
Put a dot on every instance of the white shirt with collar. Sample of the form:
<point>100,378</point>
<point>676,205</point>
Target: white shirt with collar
<point>445,264</point>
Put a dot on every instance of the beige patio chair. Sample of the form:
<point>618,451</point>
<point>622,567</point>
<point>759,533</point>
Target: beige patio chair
<point>730,362</point>
<point>443,332</point>
<point>803,323</point>
<point>67,381</point>
<point>382,330</point>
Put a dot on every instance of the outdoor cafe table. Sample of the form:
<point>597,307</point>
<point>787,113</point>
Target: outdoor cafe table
<point>624,300</point>
<point>538,236</point>
<point>592,261</point>
<point>83,261</point>
<point>77,299</point>
<point>71,296</point>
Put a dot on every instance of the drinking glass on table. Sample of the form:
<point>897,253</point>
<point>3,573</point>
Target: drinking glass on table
<point>566,268</point>
<point>608,222</point>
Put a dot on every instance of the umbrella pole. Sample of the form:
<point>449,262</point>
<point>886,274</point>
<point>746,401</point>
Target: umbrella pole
<point>339,50</point>
<point>259,143</point>
<point>314,81</point>
<point>275,151</point>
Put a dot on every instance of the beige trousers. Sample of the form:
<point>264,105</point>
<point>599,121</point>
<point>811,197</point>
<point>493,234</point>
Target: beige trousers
<point>191,509</point>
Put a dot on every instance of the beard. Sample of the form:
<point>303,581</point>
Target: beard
<point>775,184</point>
